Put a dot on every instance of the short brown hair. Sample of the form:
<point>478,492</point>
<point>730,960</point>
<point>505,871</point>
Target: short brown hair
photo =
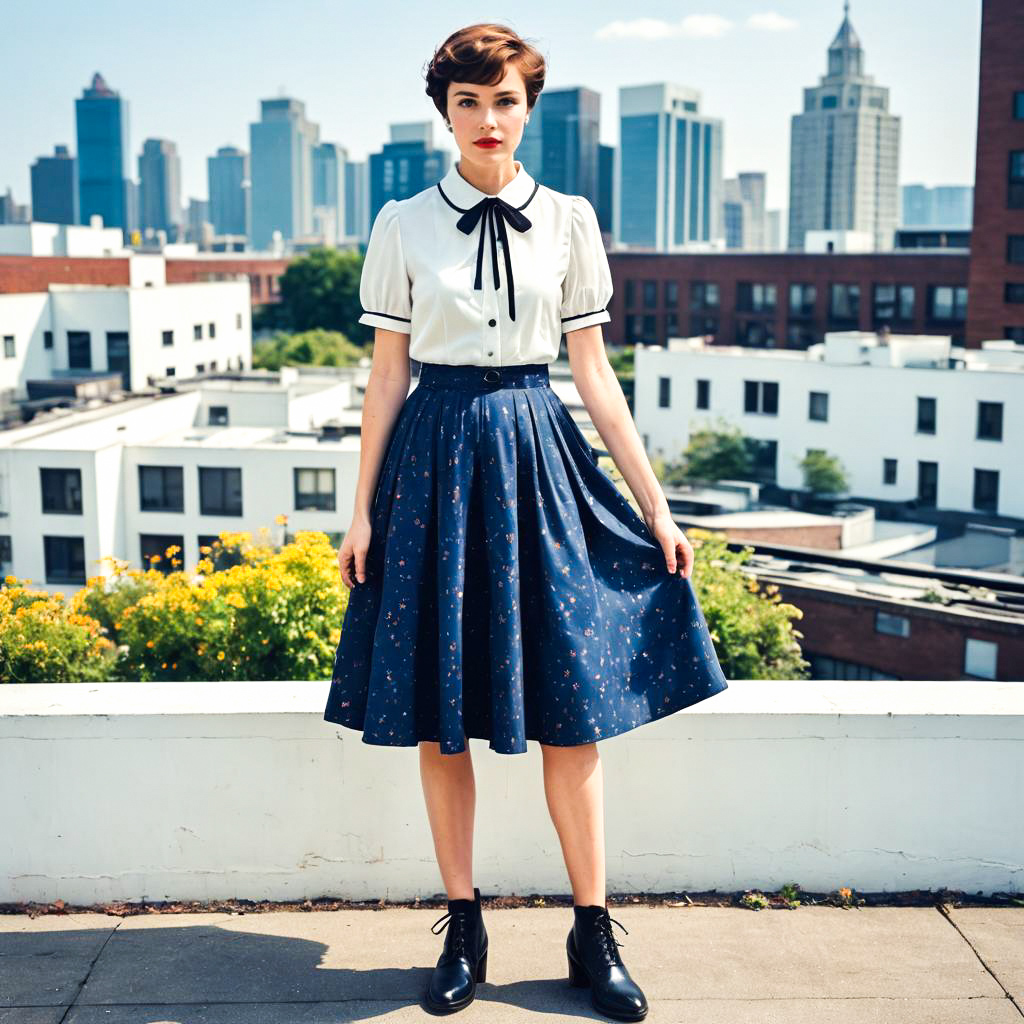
<point>479,54</point>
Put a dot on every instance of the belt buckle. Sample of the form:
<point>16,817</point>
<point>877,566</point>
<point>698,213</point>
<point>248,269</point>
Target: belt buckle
<point>492,380</point>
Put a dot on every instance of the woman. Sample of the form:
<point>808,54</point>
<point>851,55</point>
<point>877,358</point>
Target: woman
<point>501,586</point>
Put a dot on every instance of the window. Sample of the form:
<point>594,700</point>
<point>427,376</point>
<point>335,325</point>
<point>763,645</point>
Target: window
<point>800,335</point>
<point>755,298</point>
<point>5,554</point>
<point>213,330</point>
<point>818,406</point>
<point>1015,185</point>
<point>703,394</point>
<point>47,339</point>
<point>893,302</point>
<point>980,658</point>
<point>763,459</point>
<point>1013,292</point>
<point>630,293</point>
<point>153,551</point>
<point>650,294</point>
<point>889,471</point>
<point>62,490</point>
<point>703,296</point>
<point>990,421</point>
<point>927,483</point>
<point>986,490</point>
<point>170,371</point>
<point>238,321</point>
<point>926,415</point>
<point>161,489</point>
<point>220,491</point>
<point>217,415</point>
<point>1014,334</point>
<point>167,337</point>
<point>671,293</point>
<point>844,303</point>
<point>671,325</point>
<point>947,302</point>
<point>64,558</point>
<point>892,625</point>
<point>79,350</point>
<point>1015,248</point>
<point>801,300</point>
<point>200,367</point>
<point>197,332</point>
<point>761,396</point>
<point>755,333</point>
<point>664,392</point>
<point>9,346</point>
<point>314,489</point>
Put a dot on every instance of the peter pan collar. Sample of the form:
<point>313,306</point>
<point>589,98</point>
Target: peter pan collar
<point>518,192</point>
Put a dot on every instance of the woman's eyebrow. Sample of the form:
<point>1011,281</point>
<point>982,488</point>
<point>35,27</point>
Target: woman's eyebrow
<point>469,92</point>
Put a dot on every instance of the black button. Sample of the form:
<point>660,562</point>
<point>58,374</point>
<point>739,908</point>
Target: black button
<point>490,353</point>
<point>492,322</point>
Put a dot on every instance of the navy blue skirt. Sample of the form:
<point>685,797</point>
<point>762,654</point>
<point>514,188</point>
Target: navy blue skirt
<point>512,593</point>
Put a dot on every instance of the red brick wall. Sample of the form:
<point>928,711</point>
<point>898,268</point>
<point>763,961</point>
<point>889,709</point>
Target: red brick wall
<point>1001,74</point>
<point>36,273</point>
<point>263,274</point>
<point>843,626</point>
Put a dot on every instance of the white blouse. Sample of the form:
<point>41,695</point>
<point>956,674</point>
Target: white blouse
<point>483,279</point>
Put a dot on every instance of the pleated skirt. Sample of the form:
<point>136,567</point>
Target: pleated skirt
<point>512,593</point>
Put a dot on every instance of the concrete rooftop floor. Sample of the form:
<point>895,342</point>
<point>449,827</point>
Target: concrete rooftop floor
<point>716,965</point>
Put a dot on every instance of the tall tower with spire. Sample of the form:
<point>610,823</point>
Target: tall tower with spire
<point>844,150</point>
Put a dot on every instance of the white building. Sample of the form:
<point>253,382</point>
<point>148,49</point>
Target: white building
<point>915,419</point>
<point>40,238</point>
<point>145,329</point>
<point>129,478</point>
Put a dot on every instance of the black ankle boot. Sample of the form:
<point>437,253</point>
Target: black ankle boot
<point>594,960</point>
<point>463,962</point>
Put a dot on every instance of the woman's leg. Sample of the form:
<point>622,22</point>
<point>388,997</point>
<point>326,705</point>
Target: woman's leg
<point>449,789</point>
<point>574,787</point>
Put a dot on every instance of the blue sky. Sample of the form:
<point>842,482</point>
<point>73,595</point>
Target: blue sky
<point>195,72</point>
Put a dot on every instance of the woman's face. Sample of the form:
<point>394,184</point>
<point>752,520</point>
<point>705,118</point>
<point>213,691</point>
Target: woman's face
<point>488,111</point>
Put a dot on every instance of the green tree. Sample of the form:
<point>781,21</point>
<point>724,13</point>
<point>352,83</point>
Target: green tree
<point>321,289</point>
<point>823,473</point>
<point>714,453</point>
<point>308,348</point>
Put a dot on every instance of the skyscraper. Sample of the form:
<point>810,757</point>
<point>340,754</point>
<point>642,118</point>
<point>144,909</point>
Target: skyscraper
<point>560,145</point>
<point>668,178</point>
<point>746,219</point>
<point>406,165</point>
<point>160,188</point>
<point>55,188</point>
<point>227,178</point>
<point>329,192</point>
<point>281,143</point>
<point>101,121</point>
<point>844,151</point>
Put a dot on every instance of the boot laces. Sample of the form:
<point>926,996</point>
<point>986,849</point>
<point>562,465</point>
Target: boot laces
<point>609,944</point>
<point>457,934</point>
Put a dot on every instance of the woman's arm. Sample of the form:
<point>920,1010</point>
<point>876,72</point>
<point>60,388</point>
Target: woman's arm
<point>386,391</point>
<point>606,405</point>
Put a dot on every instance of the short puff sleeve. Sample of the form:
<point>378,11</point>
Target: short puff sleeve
<point>587,288</point>
<point>384,287</point>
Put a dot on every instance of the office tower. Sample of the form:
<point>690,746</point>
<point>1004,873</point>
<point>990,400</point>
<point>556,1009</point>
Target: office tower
<point>329,192</point>
<point>941,206</point>
<point>844,151</point>
<point>197,222</point>
<point>561,141</point>
<point>101,123</point>
<point>995,309</point>
<point>746,224</point>
<point>227,179</point>
<point>668,178</point>
<point>160,188</point>
<point>55,188</point>
<point>406,165</point>
<point>357,201</point>
<point>281,144</point>
<point>605,187</point>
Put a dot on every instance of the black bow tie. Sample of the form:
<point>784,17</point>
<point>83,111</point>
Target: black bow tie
<point>494,210</point>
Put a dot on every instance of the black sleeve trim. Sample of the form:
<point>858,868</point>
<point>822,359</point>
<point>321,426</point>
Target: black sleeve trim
<point>390,316</point>
<point>576,316</point>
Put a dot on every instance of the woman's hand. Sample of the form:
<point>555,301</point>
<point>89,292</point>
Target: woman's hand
<point>352,553</point>
<point>673,543</point>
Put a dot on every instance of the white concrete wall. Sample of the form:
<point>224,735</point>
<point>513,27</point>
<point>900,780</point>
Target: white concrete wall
<point>241,790</point>
<point>25,316</point>
<point>872,415</point>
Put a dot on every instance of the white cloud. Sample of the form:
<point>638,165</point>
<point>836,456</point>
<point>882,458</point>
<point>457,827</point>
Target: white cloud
<point>693,26</point>
<point>771,21</point>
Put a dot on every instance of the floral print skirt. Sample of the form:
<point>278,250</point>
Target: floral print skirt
<point>512,593</point>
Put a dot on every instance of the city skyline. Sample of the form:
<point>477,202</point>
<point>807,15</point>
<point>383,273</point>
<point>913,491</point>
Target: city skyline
<point>927,64</point>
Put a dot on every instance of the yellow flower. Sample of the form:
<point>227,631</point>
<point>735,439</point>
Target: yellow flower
<point>220,655</point>
<point>10,580</point>
<point>149,643</point>
<point>281,520</point>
